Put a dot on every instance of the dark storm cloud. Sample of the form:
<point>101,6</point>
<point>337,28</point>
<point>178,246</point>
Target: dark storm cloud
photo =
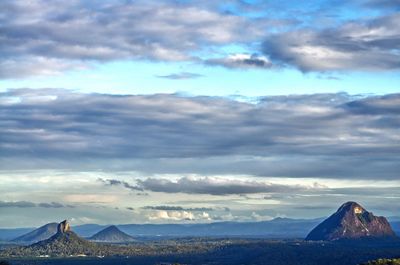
<point>42,37</point>
<point>365,45</point>
<point>180,76</point>
<point>321,135</point>
<point>25,204</point>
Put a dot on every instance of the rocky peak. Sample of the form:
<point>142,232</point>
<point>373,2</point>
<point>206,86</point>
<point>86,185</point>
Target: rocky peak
<point>351,221</point>
<point>63,227</point>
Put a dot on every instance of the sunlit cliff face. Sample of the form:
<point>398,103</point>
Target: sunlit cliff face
<point>357,210</point>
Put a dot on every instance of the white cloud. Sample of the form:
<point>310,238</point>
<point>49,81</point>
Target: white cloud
<point>178,216</point>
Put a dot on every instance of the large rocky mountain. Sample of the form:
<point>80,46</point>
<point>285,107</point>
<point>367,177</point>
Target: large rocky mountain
<point>352,221</point>
<point>39,234</point>
<point>63,243</point>
<point>112,234</point>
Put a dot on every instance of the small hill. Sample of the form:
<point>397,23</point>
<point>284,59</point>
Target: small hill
<point>111,234</point>
<point>352,221</point>
<point>39,234</point>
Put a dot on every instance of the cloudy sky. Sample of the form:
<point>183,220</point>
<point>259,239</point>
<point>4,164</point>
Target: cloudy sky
<point>184,111</point>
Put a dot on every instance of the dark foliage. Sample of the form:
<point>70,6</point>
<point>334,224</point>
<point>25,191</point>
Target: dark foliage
<point>196,251</point>
<point>384,262</point>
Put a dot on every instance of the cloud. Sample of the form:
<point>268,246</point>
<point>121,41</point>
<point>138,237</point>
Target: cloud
<point>37,65</point>
<point>63,35</point>
<point>213,186</point>
<point>18,204</point>
<point>50,38</point>
<point>178,216</point>
<point>90,198</point>
<point>176,208</point>
<point>51,205</point>
<point>291,136</point>
<point>390,4</point>
<point>114,182</point>
<point>241,61</point>
<point>354,46</point>
<point>207,185</point>
<point>180,76</point>
<point>25,204</point>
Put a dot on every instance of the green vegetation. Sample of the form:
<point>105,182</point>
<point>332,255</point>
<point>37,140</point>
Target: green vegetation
<point>384,262</point>
<point>196,251</point>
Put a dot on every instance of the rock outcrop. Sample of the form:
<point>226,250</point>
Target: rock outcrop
<point>63,227</point>
<point>352,221</point>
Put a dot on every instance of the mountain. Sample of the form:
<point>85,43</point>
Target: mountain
<point>352,221</point>
<point>39,234</point>
<point>111,234</point>
<point>63,243</point>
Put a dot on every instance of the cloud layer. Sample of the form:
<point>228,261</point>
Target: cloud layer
<point>48,38</point>
<point>362,46</point>
<point>26,204</point>
<point>41,33</point>
<point>213,186</point>
<point>321,135</point>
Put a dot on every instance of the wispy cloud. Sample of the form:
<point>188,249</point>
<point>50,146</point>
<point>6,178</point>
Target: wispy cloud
<point>114,182</point>
<point>26,204</point>
<point>242,61</point>
<point>180,76</point>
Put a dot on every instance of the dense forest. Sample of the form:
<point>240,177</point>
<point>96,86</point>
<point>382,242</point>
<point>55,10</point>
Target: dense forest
<point>231,251</point>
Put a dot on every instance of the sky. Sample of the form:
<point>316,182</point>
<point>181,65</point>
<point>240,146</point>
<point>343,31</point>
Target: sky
<point>187,111</point>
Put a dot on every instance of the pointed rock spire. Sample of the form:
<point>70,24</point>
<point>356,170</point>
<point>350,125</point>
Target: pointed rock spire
<point>63,227</point>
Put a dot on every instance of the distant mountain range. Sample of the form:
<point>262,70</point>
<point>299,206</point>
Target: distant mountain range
<point>277,228</point>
